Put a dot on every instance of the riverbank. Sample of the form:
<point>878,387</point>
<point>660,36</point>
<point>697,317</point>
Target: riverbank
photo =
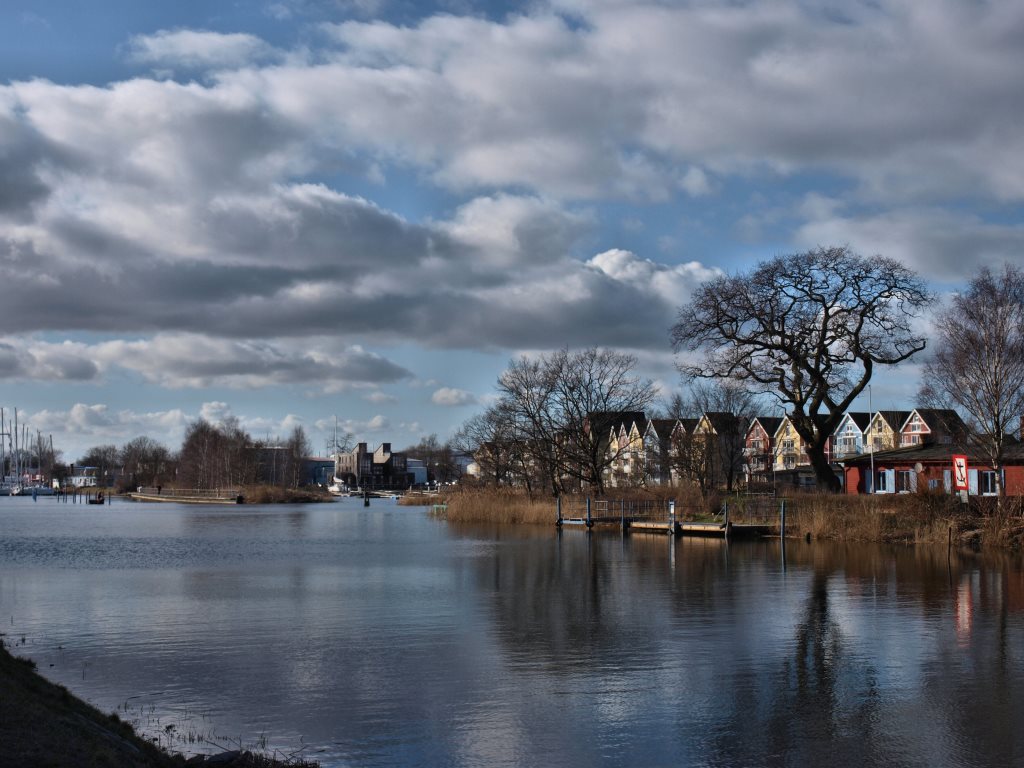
<point>919,518</point>
<point>43,724</point>
<point>250,494</point>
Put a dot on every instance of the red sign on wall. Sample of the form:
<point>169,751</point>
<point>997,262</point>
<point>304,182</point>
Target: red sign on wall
<point>960,473</point>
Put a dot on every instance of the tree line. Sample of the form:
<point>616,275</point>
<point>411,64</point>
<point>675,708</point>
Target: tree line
<point>222,455</point>
<point>803,333</point>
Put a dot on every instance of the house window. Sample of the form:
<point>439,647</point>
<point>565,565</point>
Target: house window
<point>987,482</point>
<point>755,444</point>
<point>911,439</point>
<point>787,445</point>
<point>903,481</point>
<point>882,485</point>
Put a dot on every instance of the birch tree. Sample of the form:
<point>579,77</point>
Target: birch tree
<point>978,364</point>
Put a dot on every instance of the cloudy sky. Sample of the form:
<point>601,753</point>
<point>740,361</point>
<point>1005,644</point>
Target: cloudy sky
<point>296,210</point>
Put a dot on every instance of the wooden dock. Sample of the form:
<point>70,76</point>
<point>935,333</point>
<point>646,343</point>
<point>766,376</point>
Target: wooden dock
<point>188,495</point>
<point>649,518</point>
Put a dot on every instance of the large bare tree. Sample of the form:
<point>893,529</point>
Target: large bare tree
<point>563,405</point>
<point>978,366</point>
<point>809,327</point>
<point>730,407</point>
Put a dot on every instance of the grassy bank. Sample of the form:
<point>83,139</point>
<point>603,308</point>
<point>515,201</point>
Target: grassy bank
<point>273,494</point>
<point>922,518</point>
<point>43,725</point>
<point>496,505</point>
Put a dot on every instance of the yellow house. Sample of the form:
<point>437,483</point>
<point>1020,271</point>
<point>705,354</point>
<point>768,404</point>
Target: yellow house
<point>632,441</point>
<point>626,446</point>
<point>883,430</point>
<point>789,447</point>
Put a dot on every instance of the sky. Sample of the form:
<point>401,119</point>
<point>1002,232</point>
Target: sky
<point>301,211</point>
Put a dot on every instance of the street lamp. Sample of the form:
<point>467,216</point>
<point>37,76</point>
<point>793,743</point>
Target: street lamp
<point>871,443</point>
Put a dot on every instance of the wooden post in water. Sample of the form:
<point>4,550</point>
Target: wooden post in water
<point>558,507</point>
<point>672,516</point>
<point>725,509</point>
<point>782,519</point>
<point>622,513</point>
<point>366,498</point>
<point>590,522</point>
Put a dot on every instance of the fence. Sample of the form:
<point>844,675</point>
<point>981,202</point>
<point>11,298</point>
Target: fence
<point>758,514</point>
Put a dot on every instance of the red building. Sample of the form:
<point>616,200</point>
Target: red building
<point>930,467</point>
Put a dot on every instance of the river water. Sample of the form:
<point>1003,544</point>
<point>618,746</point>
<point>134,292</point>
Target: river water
<point>381,637</point>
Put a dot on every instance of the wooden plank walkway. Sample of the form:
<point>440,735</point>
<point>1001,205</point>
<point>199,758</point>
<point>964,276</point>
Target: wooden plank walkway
<point>666,523</point>
<point>188,495</point>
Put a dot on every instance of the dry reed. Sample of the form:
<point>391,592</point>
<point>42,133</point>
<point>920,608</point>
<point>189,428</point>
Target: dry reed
<point>497,505</point>
<point>918,518</point>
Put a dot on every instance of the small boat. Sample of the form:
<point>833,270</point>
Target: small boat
<point>97,499</point>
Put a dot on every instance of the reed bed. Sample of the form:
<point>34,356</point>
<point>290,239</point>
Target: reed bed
<point>919,518</point>
<point>496,505</point>
<point>420,500</point>
<point>275,494</point>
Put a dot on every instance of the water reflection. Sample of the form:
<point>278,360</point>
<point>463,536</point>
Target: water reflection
<point>383,637</point>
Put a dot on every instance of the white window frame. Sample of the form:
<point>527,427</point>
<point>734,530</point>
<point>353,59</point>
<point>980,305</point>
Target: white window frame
<point>987,482</point>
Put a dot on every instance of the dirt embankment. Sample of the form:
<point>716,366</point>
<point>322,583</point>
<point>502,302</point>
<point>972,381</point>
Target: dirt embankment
<point>42,725</point>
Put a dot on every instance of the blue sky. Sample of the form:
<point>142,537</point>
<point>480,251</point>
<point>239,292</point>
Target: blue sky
<point>293,210</point>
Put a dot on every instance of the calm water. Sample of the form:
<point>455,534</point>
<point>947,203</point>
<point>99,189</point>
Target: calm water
<point>380,637</point>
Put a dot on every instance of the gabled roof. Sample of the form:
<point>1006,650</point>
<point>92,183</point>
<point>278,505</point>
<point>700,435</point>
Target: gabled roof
<point>860,418</point>
<point>603,421</point>
<point>686,425</point>
<point>943,419</point>
<point>721,421</point>
<point>770,424</point>
<point>817,418</point>
<point>895,419</point>
<point>661,427</point>
<point>932,452</point>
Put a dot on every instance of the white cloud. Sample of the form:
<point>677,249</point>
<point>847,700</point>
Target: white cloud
<point>380,398</point>
<point>360,428</point>
<point>941,245</point>
<point>672,284</point>
<point>197,361</point>
<point>199,49</point>
<point>201,205</point>
<point>450,396</point>
<point>84,425</point>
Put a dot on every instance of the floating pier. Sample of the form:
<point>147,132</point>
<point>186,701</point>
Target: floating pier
<point>189,495</point>
<point>662,518</point>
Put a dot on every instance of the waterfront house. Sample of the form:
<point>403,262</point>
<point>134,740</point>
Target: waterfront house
<point>625,446</point>
<point>792,462</point>
<point>882,431</point>
<point>718,442</point>
<point>680,455</point>
<point>849,436</point>
<point>930,467</point>
<point>657,451</point>
<point>932,425</point>
<point>759,449</point>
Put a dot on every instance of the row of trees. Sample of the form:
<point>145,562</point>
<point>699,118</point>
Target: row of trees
<point>219,455</point>
<point>807,329</point>
<point>552,417</point>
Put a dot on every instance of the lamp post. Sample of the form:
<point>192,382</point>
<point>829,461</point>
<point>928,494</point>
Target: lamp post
<point>871,443</point>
